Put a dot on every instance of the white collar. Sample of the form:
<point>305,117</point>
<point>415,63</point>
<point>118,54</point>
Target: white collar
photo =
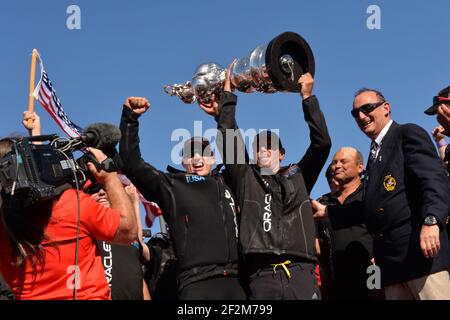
<point>383,132</point>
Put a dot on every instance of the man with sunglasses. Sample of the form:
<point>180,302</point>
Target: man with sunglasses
<point>198,207</point>
<point>406,203</point>
<point>277,231</point>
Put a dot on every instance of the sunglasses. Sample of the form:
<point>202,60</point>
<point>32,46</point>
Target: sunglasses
<point>266,142</point>
<point>366,108</point>
<point>437,100</point>
<point>204,150</point>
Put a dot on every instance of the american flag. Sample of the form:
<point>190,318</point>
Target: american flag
<point>152,210</point>
<point>46,95</point>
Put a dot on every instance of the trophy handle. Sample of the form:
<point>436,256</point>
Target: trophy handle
<point>182,91</point>
<point>170,90</point>
<point>287,65</point>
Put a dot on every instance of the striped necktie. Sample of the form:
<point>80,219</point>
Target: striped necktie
<point>373,152</point>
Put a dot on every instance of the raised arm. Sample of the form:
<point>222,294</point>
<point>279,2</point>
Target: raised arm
<point>315,157</point>
<point>32,122</point>
<point>127,230</point>
<point>229,139</point>
<point>152,183</point>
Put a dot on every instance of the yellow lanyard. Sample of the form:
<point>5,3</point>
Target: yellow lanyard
<point>283,264</point>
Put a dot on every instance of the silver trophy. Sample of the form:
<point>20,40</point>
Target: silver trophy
<point>273,67</point>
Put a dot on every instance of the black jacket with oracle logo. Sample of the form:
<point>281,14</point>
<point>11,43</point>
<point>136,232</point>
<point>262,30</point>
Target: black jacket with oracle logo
<point>276,214</point>
<point>200,211</point>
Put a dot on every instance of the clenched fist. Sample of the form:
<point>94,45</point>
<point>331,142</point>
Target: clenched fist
<point>307,83</point>
<point>31,121</point>
<point>137,104</point>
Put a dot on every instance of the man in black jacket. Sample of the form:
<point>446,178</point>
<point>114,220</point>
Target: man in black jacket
<point>277,231</point>
<point>198,207</point>
<point>351,246</point>
<point>406,203</point>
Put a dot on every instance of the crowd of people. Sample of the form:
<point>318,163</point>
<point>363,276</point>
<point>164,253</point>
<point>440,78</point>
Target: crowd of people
<point>250,230</point>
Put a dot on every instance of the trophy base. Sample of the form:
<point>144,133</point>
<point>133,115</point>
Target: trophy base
<point>288,56</point>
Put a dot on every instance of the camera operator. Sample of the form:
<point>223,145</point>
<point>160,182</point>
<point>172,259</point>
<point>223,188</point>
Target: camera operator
<point>122,263</point>
<point>38,243</point>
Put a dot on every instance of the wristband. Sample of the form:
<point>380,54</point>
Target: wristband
<point>441,143</point>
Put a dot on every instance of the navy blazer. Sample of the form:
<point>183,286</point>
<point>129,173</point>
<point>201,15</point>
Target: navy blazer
<point>406,183</point>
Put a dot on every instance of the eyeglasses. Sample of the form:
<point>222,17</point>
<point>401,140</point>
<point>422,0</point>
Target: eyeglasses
<point>258,145</point>
<point>204,150</point>
<point>366,108</point>
<point>438,99</point>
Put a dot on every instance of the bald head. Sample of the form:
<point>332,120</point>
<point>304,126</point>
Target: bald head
<point>353,152</point>
<point>347,165</point>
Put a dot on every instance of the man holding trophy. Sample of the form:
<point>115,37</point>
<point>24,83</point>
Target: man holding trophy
<point>277,232</point>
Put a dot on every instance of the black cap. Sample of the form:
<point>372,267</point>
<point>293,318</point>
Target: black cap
<point>444,93</point>
<point>269,139</point>
<point>197,145</point>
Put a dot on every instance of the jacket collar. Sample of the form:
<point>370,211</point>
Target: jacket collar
<point>383,133</point>
<point>173,170</point>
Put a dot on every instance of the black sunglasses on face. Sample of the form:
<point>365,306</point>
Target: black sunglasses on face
<point>366,108</point>
<point>203,150</point>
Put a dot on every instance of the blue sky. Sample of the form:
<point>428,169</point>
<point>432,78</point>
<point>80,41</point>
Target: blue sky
<point>133,48</point>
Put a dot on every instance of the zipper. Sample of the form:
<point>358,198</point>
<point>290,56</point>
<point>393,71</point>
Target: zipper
<point>279,216</point>
<point>221,194</point>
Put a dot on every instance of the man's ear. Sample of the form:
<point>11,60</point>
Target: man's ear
<point>387,107</point>
<point>360,169</point>
<point>183,163</point>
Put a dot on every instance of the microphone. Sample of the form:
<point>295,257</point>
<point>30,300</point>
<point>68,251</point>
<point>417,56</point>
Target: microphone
<point>103,136</point>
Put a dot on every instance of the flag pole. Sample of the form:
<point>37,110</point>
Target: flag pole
<point>162,225</point>
<point>32,78</point>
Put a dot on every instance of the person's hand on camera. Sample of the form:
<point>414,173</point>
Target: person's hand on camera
<point>212,108</point>
<point>101,176</point>
<point>138,104</point>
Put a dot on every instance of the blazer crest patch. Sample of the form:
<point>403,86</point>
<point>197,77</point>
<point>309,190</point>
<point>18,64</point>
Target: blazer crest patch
<point>389,183</point>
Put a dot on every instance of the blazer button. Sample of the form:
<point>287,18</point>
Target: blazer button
<point>380,210</point>
<point>380,236</point>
